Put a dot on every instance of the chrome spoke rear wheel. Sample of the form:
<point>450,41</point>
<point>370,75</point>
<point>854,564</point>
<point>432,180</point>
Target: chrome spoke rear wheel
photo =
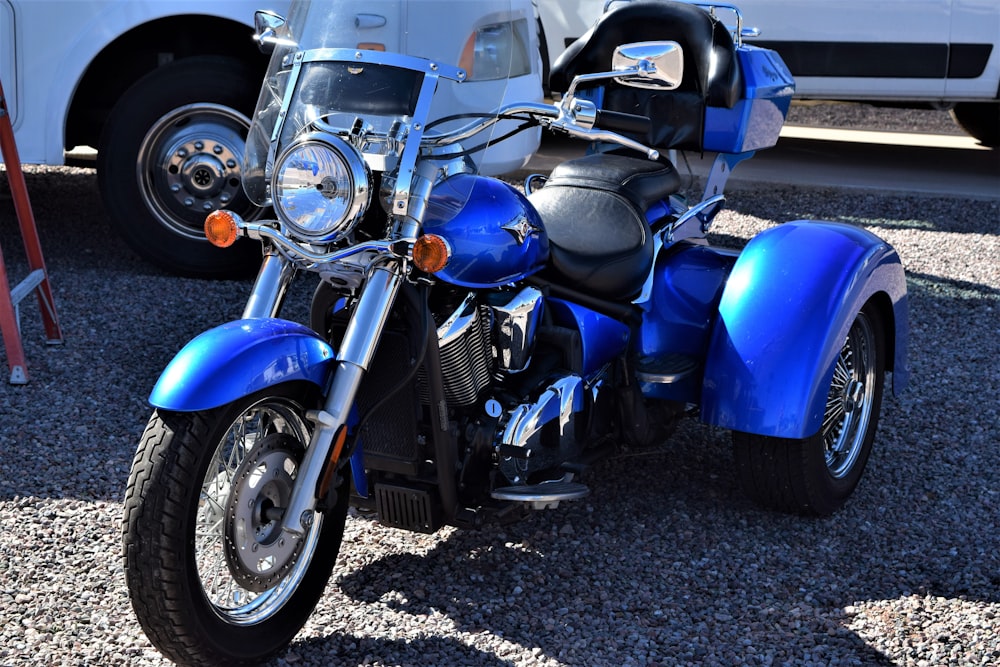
<point>849,403</point>
<point>816,475</point>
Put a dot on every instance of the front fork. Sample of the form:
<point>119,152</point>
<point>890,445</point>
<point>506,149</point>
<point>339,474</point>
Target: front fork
<point>353,360</point>
<point>268,293</point>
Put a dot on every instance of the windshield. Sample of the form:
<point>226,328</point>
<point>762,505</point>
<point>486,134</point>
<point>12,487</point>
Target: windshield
<point>383,74</point>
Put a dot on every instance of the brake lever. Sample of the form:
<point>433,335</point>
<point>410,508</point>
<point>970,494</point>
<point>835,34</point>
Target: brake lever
<point>577,119</point>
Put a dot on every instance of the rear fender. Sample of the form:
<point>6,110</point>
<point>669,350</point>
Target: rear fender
<point>784,315</point>
<point>238,359</point>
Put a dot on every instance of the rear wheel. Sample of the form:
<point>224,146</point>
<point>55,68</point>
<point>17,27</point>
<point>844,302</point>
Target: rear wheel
<point>170,153</point>
<point>212,576</point>
<point>818,474</point>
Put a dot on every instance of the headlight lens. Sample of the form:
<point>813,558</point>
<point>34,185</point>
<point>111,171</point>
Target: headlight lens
<point>321,187</point>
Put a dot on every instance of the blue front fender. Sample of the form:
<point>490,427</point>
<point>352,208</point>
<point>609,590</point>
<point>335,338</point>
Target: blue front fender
<point>239,358</point>
<point>784,315</point>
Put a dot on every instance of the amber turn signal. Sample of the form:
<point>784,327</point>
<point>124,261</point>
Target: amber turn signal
<point>222,228</point>
<point>431,253</point>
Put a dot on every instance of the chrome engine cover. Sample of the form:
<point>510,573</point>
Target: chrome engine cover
<point>538,434</point>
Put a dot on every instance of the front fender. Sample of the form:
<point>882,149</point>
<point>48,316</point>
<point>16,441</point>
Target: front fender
<point>239,358</point>
<point>784,315</point>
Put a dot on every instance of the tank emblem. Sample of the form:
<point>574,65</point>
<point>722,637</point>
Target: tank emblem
<point>521,228</point>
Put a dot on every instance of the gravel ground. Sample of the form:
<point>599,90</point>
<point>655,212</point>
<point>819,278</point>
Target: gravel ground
<point>868,117</point>
<point>665,563</point>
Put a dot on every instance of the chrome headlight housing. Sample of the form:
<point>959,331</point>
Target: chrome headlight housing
<point>321,187</point>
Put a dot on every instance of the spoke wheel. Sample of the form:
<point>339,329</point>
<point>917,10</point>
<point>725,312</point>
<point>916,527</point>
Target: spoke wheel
<point>247,565</point>
<point>817,475</point>
<point>850,401</point>
<point>212,576</point>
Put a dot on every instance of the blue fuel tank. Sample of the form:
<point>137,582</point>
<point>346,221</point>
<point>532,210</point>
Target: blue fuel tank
<point>495,235</point>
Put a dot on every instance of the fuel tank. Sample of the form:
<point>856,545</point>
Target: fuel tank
<point>495,235</point>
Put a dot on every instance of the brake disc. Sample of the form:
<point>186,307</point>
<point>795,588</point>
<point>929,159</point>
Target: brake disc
<point>258,552</point>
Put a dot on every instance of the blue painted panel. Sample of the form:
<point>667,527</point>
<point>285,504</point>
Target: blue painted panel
<point>755,121</point>
<point>495,234</point>
<point>683,302</point>
<point>239,358</point>
<point>603,337</point>
<point>785,312</point>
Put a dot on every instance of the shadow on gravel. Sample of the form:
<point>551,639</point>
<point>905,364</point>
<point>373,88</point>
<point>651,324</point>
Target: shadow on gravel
<point>736,585</point>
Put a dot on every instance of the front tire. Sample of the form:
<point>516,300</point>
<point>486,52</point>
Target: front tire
<point>170,153</point>
<point>212,577</point>
<point>817,475</point>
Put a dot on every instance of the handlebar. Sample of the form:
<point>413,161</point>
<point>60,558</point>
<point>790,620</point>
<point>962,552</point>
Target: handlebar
<point>617,121</point>
<point>577,118</point>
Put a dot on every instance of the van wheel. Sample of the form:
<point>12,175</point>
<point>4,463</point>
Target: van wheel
<point>981,120</point>
<point>170,153</point>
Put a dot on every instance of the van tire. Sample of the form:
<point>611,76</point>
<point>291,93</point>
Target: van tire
<point>170,152</point>
<point>981,120</point>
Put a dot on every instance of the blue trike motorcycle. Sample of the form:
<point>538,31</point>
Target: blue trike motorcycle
<point>476,348</point>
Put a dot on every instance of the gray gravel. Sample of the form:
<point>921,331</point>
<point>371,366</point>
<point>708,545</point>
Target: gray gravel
<point>665,563</point>
<point>852,116</point>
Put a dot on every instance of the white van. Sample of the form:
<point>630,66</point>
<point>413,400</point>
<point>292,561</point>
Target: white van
<point>163,89</point>
<point>939,53</point>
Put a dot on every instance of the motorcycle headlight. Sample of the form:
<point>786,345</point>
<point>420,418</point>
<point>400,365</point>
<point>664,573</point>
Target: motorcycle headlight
<point>321,187</point>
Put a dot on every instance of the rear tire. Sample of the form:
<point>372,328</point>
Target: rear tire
<point>981,120</point>
<point>816,475</point>
<point>212,577</point>
<point>170,153</point>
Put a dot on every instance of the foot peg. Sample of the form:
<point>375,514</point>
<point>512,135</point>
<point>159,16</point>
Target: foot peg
<point>544,495</point>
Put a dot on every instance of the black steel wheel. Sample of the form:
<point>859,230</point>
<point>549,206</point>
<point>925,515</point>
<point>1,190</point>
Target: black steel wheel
<point>170,153</point>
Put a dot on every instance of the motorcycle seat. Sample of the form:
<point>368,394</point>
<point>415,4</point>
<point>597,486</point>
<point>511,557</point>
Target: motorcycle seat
<point>593,211</point>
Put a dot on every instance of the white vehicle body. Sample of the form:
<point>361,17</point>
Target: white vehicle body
<point>941,53</point>
<point>110,74</point>
<point>47,48</point>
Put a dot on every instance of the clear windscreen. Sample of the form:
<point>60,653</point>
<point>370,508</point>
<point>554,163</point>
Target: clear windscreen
<point>335,67</point>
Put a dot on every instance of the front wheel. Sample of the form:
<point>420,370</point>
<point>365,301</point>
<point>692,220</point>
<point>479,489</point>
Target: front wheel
<point>818,474</point>
<point>212,576</point>
<point>170,153</point>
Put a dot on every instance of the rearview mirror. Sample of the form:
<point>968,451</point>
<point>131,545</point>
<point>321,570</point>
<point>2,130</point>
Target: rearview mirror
<point>654,65</point>
<point>266,25</point>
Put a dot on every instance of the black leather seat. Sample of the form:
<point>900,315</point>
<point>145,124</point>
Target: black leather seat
<point>711,72</point>
<point>592,208</point>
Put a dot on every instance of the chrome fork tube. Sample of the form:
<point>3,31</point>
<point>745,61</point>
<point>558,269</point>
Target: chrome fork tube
<point>268,292</point>
<point>356,353</point>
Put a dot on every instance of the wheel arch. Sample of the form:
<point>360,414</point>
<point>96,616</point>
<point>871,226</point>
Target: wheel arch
<point>785,312</point>
<point>141,50</point>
